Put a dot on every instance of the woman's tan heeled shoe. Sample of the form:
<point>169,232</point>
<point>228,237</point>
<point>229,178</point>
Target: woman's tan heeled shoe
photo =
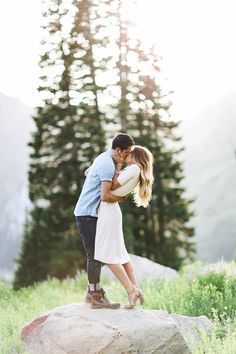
<point>140,295</point>
<point>133,297</point>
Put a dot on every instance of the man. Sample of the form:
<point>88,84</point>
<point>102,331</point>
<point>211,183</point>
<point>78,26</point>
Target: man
<point>97,187</point>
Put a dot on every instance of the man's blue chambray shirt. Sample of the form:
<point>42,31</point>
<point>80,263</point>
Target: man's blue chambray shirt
<point>102,169</point>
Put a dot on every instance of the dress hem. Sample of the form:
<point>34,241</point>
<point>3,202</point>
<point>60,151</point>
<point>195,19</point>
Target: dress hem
<point>112,262</point>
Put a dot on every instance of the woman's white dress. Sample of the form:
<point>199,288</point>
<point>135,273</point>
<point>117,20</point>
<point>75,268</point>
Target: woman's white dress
<point>109,241</point>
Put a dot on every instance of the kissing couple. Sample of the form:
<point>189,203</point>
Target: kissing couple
<point>99,217</point>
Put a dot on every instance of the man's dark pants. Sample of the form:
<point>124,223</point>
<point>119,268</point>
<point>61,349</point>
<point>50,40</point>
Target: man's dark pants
<point>87,230</point>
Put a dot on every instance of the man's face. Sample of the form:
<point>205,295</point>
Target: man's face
<point>124,153</point>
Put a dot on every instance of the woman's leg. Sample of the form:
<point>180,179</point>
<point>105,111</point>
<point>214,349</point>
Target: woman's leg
<point>133,292</point>
<point>120,273</point>
<point>129,269</point>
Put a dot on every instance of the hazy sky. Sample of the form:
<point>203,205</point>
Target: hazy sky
<point>196,39</point>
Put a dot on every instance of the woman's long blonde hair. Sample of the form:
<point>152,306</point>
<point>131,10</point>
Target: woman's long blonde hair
<point>144,159</point>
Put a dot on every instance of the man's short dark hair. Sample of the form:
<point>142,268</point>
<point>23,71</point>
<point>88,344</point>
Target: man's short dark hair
<point>122,141</point>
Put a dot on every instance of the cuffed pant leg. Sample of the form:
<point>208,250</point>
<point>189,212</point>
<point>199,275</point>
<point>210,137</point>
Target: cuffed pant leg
<point>87,230</point>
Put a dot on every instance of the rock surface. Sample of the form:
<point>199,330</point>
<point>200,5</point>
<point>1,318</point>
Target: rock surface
<point>145,269</point>
<point>78,329</point>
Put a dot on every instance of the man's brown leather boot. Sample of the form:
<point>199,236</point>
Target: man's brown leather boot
<point>98,299</point>
<point>88,297</point>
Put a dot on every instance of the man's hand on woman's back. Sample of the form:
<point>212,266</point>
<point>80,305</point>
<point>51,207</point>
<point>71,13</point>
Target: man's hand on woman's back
<point>108,196</point>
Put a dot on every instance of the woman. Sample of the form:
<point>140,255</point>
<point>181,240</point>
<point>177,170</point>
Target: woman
<point>136,178</point>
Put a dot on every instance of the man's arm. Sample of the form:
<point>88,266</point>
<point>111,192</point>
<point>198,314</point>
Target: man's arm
<point>115,183</point>
<point>107,196</point>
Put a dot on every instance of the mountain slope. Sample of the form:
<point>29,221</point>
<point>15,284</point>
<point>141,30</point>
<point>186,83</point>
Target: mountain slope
<point>16,125</point>
<point>210,167</point>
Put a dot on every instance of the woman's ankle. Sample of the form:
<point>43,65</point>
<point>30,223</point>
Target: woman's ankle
<point>130,289</point>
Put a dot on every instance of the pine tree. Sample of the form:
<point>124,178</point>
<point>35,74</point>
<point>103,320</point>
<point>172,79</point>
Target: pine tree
<point>69,134</point>
<point>159,232</point>
<point>168,238</point>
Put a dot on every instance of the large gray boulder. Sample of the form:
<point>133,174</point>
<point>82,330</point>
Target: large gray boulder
<point>145,269</point>
<point>78,329</point>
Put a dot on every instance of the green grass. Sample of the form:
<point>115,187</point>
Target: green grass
<point>194,293</point>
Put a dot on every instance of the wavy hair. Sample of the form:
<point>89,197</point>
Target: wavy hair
<point>144,159</point>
